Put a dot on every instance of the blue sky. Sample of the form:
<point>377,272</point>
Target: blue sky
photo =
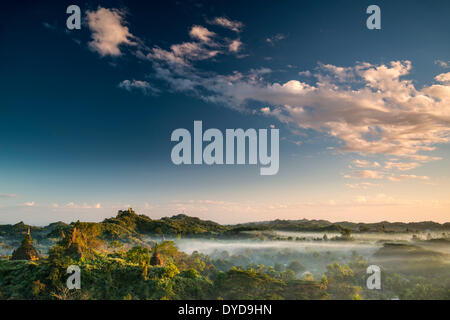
<point>86,115</point>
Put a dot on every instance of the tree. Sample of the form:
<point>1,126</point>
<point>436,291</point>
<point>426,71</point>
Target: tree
<point>296,266</point>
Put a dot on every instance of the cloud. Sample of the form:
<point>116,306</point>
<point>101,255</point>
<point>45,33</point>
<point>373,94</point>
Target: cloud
<point>365,164</point>
<point>49,26</point>
<point>235,45</point>
<point>402,166</point>
<point>443,77</point>
<point>29,204</point>
<point>341,74</point>
<point>380,199</point>
<point>236,26</point>
<point>176,64</point>
<point>364,174</point>
<point>108,31</point>
<point>274,39</point>
<point>407,177</point>
<point>182,55</point>
<point>443,64</point>
<point>201,33</point>
<point>370,108</point>
<point>306,73</point>
<point>84,205</point>
<point>143,86</point>
<point>7,195</point>
<point>362,185</point>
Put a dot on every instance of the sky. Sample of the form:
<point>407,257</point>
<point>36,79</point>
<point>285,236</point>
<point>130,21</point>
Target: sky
<point>86,115</point>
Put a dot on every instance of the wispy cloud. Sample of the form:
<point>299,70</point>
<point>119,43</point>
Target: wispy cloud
<point>236,26</point>
<point>365,164</point>
<point>275,38</point>
<point>142,86</point>
<point>402,166</point>
<point>362,185</point>
<point>49,26</point>
<point>73,205</point>
<point>407,177</point>
<point>8,195</point>
<point>443,64</point>
<point>364,174</point>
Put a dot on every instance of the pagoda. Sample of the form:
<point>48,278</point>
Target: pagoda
<point>26,251</point>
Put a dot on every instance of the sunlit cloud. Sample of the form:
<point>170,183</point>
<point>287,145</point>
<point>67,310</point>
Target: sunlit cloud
<point>366,164</point>
<point>201,33</point>
<point>73,205</point>
<point>109,31</point>
<point>235,45</point>
<point>443,77</point>
<point>235,26</point>
<point>362,185</point>
<point>402,166</point>
<point>364,174</point>
<point>402,177</point>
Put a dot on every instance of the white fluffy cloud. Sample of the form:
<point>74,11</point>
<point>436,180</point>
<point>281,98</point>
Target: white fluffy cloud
<point>108,31</point>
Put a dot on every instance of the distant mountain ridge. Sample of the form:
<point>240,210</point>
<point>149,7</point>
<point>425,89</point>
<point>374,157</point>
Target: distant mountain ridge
<point>324,225</point>
<point>130,225</point>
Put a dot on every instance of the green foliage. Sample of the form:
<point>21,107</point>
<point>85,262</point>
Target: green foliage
<point>138,255</point>
<point>116,263</point>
